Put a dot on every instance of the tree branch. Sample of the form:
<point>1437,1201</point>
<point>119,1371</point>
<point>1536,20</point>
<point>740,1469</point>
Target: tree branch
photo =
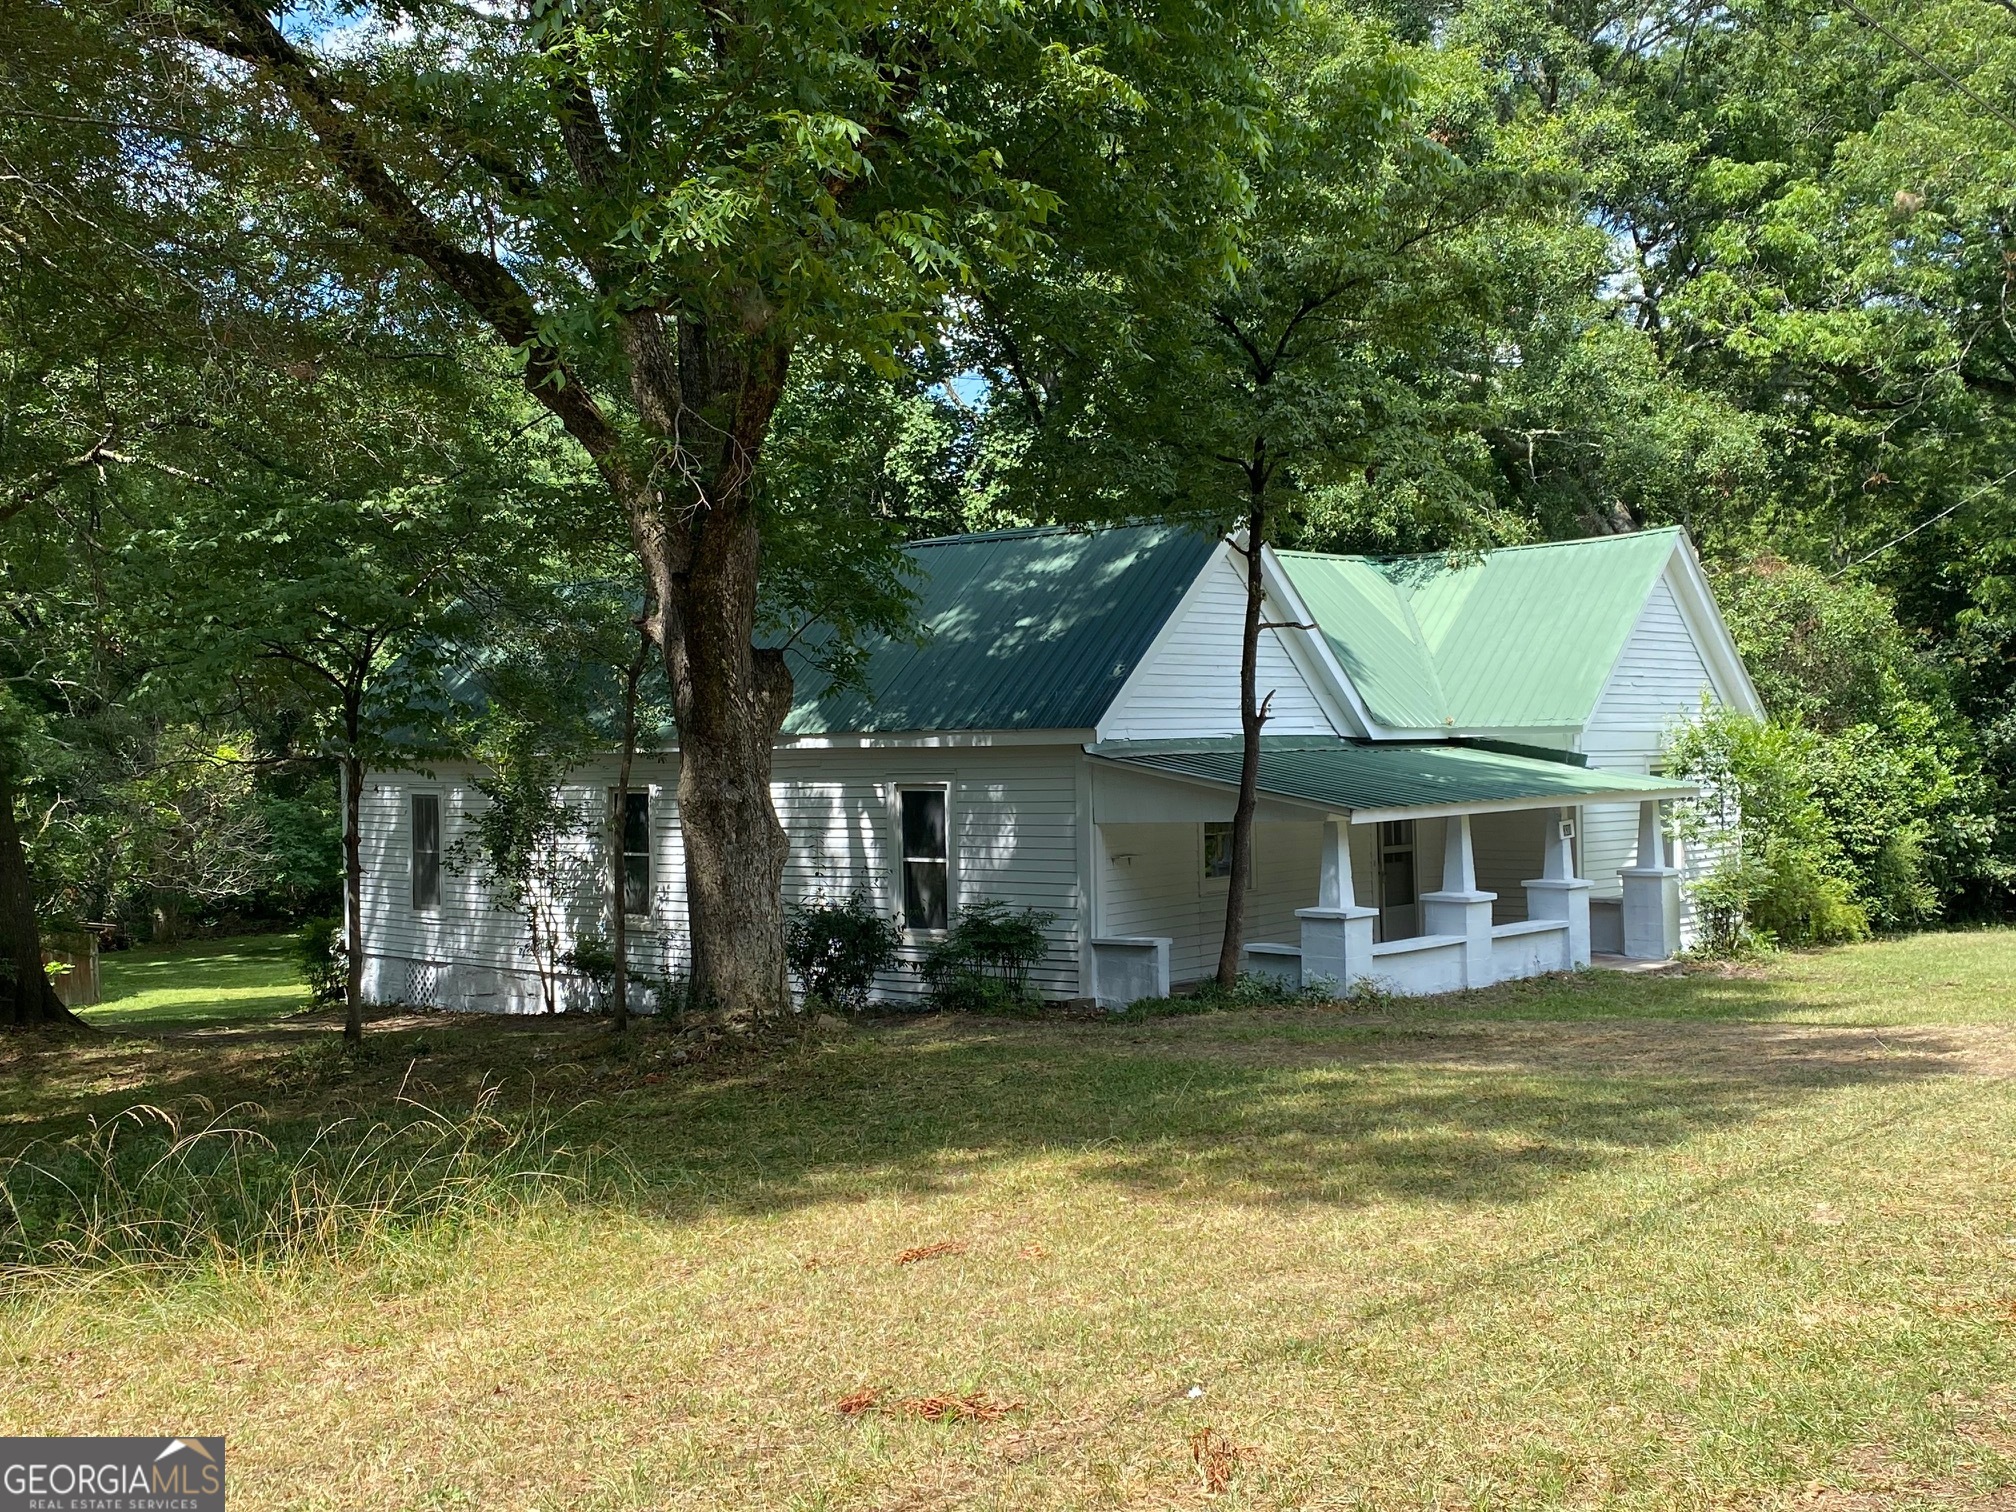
<point>480,281</point>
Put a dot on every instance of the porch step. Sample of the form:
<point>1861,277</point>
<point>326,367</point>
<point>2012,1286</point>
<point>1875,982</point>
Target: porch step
<point>1603,961</point>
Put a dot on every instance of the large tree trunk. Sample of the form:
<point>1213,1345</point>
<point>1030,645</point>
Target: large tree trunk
<point>353,898</point>
<point>1252,716</point>
<point>26,998</point>
<point>735,848</point>
<point>728,697</point>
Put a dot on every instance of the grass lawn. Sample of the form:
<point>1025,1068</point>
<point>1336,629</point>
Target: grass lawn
<point>1722,1239</point>
<point>192,986</point>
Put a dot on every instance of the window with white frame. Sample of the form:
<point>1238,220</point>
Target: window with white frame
<point>926,858</point>
<point>635,857</point>
<point>1217,851</point>
<point>424,835</point>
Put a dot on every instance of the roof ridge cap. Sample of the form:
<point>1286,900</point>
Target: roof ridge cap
<point>1374,559</point>
<point>1028,532</point>
<point>1013,533</point>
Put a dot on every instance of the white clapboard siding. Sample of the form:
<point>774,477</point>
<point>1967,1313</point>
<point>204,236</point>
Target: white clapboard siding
<point>1014,838</point>
<point>467,953</point>
<point>1152,883</point>
<point>1188,684</point>
<point>1658,684</point>
<point>1508,850</point>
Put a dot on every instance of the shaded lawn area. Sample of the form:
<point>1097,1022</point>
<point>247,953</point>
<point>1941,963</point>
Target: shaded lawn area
<point>1725,1238</point>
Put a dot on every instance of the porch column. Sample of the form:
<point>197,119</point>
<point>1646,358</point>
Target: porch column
<point>1458,907</point>
<point>1651,892</point>
<point>1557,893</point>
<point>1336,933</point>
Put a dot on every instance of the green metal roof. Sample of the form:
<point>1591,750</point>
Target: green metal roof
<point>1395,776</point>
<point>1022,630</point>
<point>1524,637</point>
<point>1369,625</point>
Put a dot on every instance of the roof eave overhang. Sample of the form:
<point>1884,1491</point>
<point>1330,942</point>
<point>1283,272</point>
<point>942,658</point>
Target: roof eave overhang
<point>1696,598</point>
<point>1197,779</point>
<point>1519,805</point>
<point>847,740</point>
<point>1666,791</point>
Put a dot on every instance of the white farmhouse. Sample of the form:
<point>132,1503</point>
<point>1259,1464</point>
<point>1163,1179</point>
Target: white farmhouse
<point>1459,776</point>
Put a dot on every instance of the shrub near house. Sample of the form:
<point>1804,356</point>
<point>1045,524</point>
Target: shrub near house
<point>1861,802</point>
<point>837,950</point>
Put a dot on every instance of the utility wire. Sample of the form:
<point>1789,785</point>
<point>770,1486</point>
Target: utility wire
<point>1922,524</point>
<point>1960,84</point>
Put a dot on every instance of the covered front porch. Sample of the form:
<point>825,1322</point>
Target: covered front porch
<point>1409,868</point>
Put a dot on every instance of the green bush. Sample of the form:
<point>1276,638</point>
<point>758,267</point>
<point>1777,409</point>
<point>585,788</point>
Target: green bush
<point>836,950</point>
<point>983,962</point>
<point>1889,793</point>
<point>1866,729</point>
<point>323,958</point>
<point>594,960</point>
<point>1722,904</point>
<point>1784,876</point>
<point>665,991</point>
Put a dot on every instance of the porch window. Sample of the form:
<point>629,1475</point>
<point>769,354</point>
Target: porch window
<point>926,880</point>
<point>1217,851</point>
<point>636,855</point>
<point>425,836</point>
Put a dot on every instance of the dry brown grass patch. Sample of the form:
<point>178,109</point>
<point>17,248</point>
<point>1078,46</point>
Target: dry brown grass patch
<point>931,1251</point>
<point>1215,1457</point>
<point>861,1399</point>
<point>974,1407</point>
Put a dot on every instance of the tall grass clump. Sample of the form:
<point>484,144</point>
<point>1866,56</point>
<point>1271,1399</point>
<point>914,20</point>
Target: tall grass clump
<point>1256,989</point>
<point>165,1190</point>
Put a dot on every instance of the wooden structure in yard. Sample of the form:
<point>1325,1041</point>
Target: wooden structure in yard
<point>75,957</point>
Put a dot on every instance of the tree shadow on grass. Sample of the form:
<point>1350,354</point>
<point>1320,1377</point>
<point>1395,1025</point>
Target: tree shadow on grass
<point>1273,1107</point>
<point>1484,1114</point>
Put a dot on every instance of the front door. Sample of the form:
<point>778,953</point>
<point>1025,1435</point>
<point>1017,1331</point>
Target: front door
<point>1399,904</point>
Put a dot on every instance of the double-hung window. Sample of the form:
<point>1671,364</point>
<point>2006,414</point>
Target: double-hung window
<point>635,859</point>
<point>926,861</point>
<point>1217,851</point>
<point>425,835</point>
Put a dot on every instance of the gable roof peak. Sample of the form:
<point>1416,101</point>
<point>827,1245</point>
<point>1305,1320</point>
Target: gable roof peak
<point>1518,637</point>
